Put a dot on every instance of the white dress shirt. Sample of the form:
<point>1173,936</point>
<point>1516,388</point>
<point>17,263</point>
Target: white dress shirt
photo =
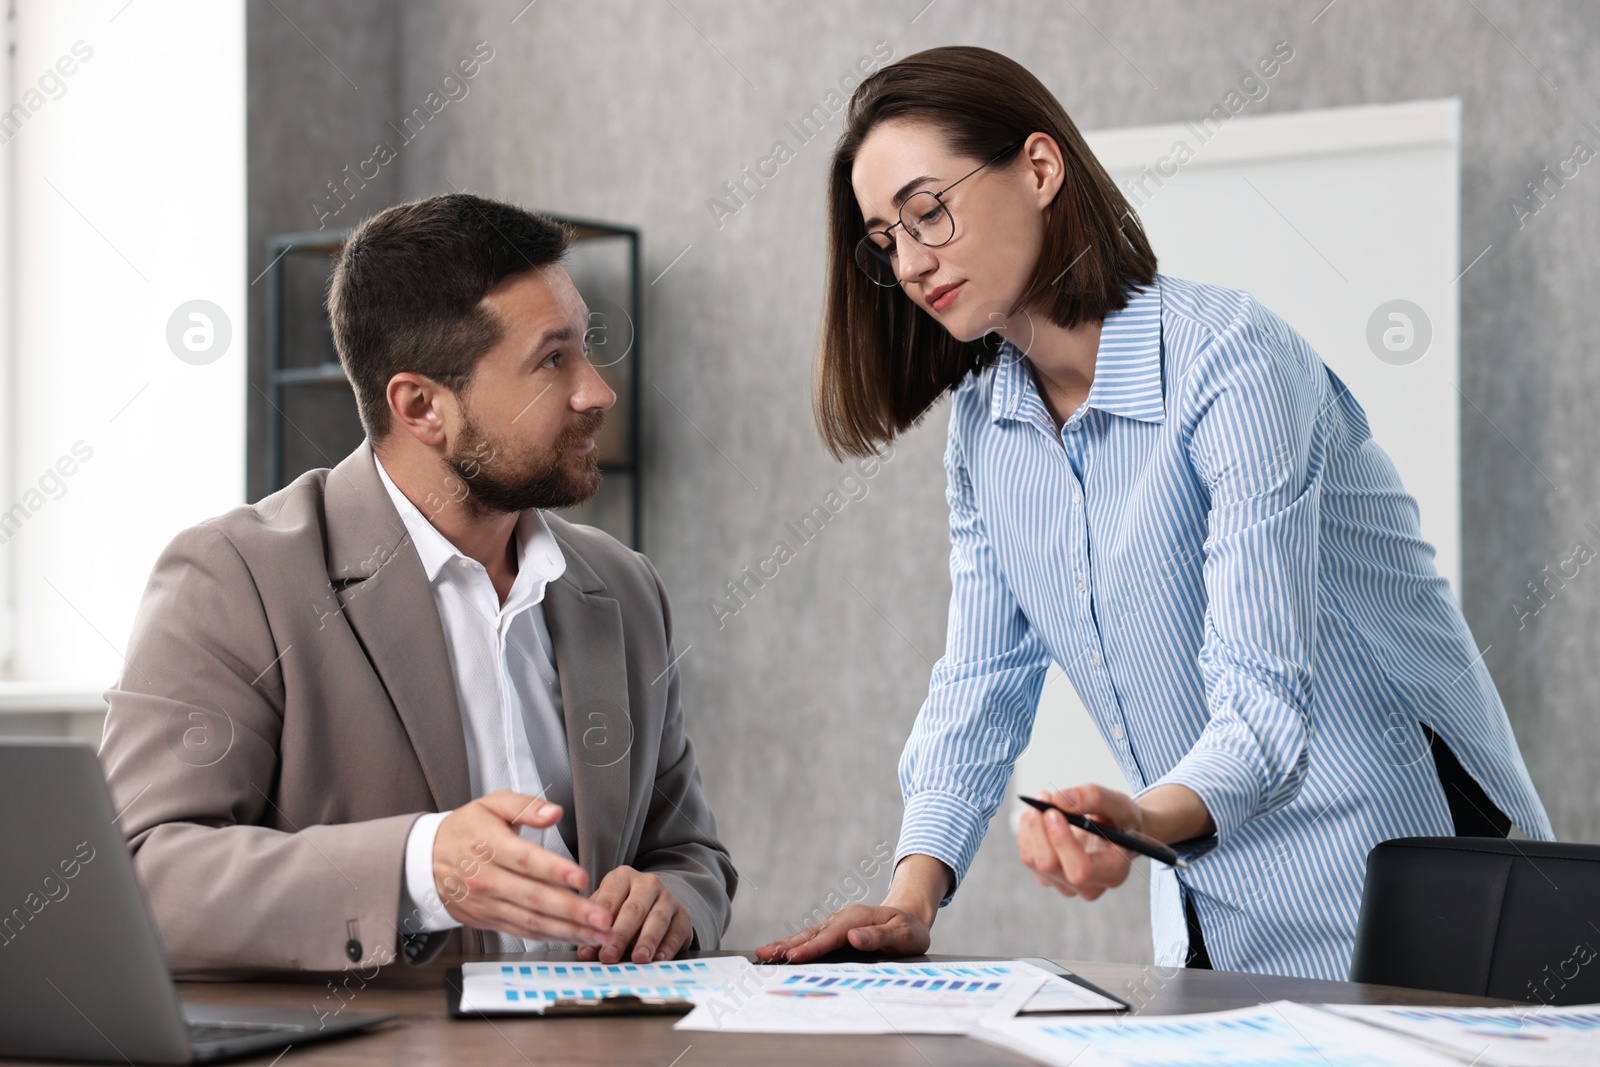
<point>506,686</point>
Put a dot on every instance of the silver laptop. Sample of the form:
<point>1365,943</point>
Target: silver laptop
<point>82,972</point>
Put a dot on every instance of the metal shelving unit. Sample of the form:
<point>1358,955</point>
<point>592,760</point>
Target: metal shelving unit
<point>284,377</point>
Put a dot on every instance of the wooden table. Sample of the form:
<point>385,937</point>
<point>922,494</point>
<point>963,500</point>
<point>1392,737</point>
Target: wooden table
<point>425,1034</point>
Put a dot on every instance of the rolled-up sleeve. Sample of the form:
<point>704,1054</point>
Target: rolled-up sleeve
<point>979,712</point>
<point>1255,397</point>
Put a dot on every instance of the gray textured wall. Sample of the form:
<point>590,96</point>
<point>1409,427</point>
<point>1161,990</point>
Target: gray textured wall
<point>309,116</point>
<point>639,111</point>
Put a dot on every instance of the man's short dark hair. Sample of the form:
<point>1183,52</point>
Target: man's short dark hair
<point>407,291</point>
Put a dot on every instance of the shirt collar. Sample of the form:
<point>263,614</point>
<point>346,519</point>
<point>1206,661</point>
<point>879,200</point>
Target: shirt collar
<point>1127,369</point>
<point>539,557</point>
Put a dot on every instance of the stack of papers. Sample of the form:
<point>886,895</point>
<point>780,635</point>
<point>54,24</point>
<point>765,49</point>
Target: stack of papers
<point>729,993</point>
<point>988,1000</point>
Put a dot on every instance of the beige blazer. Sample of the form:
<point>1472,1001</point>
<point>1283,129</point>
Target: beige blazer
<point>287,710</point>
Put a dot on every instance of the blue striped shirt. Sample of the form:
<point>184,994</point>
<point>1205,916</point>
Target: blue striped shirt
<point>1230,573</point>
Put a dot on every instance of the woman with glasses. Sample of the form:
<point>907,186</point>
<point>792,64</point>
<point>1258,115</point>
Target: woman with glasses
<point>1158,485</point>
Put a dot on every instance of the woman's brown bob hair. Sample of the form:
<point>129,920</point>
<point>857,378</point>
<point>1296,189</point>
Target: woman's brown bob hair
<point>883,362</point>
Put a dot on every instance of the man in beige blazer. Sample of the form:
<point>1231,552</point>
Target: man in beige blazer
<point>407,633</point>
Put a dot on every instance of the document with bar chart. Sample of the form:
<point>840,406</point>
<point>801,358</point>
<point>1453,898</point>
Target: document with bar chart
<point>1529,1035</point>
<point>884,998</point>
<point>1272,1035</point>
<point>534,987</point>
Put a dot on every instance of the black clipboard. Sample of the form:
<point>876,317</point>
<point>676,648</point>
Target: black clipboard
<point>1076,979</point>
<point>619,1005</point>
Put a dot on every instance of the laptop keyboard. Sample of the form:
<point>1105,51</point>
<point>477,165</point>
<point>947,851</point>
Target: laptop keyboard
<point>207,1033</point>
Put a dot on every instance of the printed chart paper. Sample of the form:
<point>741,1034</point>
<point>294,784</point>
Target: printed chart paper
<point>1055,994</point>
<point>883,998</point>
<point>1272,1035</point>
<point>534,986</point>
<point>1537,1035</point>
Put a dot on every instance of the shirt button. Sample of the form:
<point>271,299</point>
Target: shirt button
<point>1094,659</point>
<point>1080,585</point>
<point>1077,496</point>
<point>466,563</point>
<point>1116,730</point>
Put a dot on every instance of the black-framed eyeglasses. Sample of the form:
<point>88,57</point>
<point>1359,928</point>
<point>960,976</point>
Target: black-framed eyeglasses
<point>925,216</point>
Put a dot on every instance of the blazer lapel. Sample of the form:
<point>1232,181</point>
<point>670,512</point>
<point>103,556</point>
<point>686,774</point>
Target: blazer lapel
<point>384,596</point>
<point>586,633</point>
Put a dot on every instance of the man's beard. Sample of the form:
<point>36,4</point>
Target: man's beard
<point>499,478</point>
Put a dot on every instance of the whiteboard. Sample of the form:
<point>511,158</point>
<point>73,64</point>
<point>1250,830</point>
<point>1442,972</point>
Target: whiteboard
<point>1330,218</point>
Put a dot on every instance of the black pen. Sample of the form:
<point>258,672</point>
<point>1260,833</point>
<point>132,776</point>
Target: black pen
<point>1153,849</point>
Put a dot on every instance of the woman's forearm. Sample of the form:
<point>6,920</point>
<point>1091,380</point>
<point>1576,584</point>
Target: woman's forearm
<point>1174,813</point>
<point>919,883</point>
